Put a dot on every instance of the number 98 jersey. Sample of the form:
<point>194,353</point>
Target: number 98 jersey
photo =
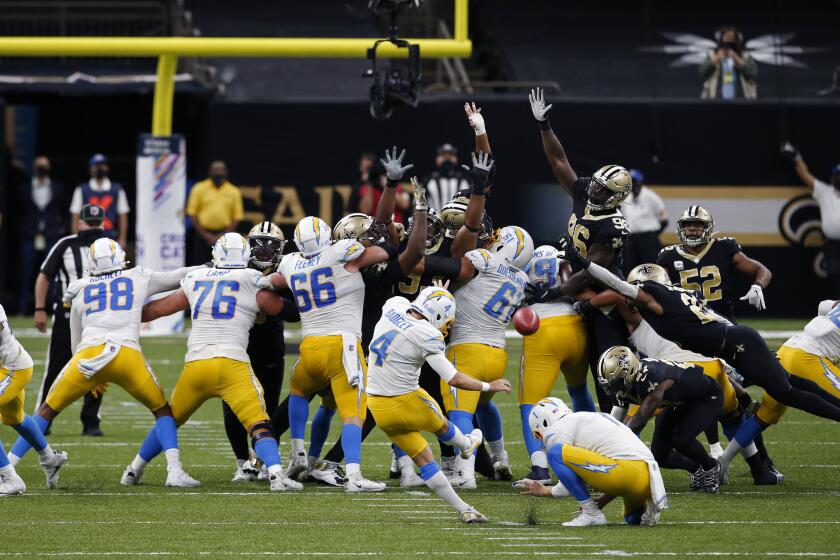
<point>330,298</point>
<point>707,272</point>
<point>223,308</point>
<point>485,304</point>
<point>587,227</point>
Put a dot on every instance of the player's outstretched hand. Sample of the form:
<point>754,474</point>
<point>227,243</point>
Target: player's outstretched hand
<point>533,488</point>
<point>480,171</point>
<point>755,297</point>
<point>500,386</point>
<point>789,151</point>
<point>538,108</point>
<point>440,283</point>
<point>568,250</point>
<point>394,168</point>
<point>584,308</point>
<point>420,204</point>
<point>475,119</point>
<point>534,293</point>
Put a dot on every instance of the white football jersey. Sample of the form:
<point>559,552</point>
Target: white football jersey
<point>13,356</point>
<point>648,342</point>
<point>544,270</point>
<point>398,349</point>
<point>485,304</point>
<point>329,298</point>
<point>223,308</point>
<point>110,305</point>
<point>597,432</point>
<point>821,336</point>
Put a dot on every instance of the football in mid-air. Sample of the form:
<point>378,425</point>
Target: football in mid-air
<point>526,321</point>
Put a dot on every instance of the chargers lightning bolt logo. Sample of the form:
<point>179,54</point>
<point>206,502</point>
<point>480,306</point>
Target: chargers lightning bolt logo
<point>432,405</point>
<point>831,376</point>
<point>595,467</point>
<point>5,384</point>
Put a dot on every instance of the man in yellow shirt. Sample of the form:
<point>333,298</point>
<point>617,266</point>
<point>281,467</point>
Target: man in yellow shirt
<point>215,207</point>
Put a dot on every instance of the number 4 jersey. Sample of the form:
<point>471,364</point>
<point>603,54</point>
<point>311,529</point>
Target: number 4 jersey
<point>329,298</point>
<point>485,304</point>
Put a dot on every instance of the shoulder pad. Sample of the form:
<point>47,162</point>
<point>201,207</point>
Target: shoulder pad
<point>482,259</point>
<point>346,250</point>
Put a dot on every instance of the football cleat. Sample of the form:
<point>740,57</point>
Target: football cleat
<point>587,519</point>
<point>280,482</point>
<point>130,477</point>
<point>52,466</point>
<point>539,474</point>
<point>779,476</point>
<point>447,466</point>
<point>411,481</point>
<point>328,472</point>
<point>501,465</point>
<point>178,478</point>
<point>473,516</point>
<point>711,479</point>
<point>476,438</point>
<point>651,515</point>
<point>263,474</point>
<point>695,481</point>
<point>297,464</point>
<point>723,477</point>
<point>462,482</point>
<point>394,472</point>
<point>11,485</point>
<point>358,483</point>
<point>245,473</point>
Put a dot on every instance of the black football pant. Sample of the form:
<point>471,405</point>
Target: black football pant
<point>747,352</point>
<point>675,444</point>
<point>605,331</point>
<point>58,354</point>
<point>271,378</point>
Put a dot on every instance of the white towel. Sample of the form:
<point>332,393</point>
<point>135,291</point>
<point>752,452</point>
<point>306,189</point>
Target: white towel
<point>91,366</point>
<point>657,486</point>
<point>351,361</point>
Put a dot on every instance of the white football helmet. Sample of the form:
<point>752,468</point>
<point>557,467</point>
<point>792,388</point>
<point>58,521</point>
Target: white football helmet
<point>312,235</point>
<point>545,414</point>
<point>106,255</point>
<point>231,251</point>
<point>437,305</point>
<point>515,245</point>
<point>544,268</point>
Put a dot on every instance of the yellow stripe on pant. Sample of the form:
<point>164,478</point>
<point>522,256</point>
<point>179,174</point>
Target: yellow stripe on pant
<point>807,366</point>
<point>560,344</point>
<point>479,361</point>
<point>403,417</point>
<point>13,394</point>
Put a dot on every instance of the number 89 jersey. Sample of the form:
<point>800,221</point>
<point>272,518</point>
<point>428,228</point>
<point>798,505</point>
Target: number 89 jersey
<point>223,308</point>
<point>587,227</point>
<point>330,298</point>
<point>485,304</point>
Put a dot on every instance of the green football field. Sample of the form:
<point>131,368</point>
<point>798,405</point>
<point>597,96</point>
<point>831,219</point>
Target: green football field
<point>92,515</point>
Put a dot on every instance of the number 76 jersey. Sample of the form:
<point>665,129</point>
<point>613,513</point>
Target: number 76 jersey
<point>485,304</point>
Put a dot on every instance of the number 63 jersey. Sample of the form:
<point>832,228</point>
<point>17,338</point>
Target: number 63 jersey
<point>485,304</point>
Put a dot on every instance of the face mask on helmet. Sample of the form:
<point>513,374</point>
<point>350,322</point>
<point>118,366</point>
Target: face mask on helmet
<point>435,231</point>
<point>545,414</point>
<point>361,228</point>
<point>437,306</point>
<point>608,187</point>
<point>617,370</point>
<point>265,251</point>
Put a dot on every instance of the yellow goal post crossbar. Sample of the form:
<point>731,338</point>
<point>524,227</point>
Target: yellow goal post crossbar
<point>168,49</point>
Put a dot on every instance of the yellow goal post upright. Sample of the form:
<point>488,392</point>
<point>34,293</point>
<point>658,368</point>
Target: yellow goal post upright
<point>168,49</point>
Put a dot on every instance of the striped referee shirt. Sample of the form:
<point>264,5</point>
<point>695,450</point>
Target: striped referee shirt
<point>69,260</point>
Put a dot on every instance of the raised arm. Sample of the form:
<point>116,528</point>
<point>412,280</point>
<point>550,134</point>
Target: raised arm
<point>476,120</point>
<point>164,306</point>
<point>394,170</point>
<point>554,151</point>
<point>467,237</point>
<point>790,152</point>
<point>416,246</point>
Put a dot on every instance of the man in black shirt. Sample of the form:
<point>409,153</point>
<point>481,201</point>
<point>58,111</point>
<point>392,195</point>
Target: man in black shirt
<point>690,400</point>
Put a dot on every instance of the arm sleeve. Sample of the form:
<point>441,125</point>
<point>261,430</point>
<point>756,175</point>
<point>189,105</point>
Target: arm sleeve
<point>820,190</point>
<point>76,201</point>
<point>168,280</point>
<point>612,281</point>
<point>122,202</point>
<point>442,366</point>
<point>447,267</point>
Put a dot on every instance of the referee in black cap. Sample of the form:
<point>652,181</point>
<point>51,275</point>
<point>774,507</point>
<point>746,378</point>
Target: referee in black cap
<point>68,260</point>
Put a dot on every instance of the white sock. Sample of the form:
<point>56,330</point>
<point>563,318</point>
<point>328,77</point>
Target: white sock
<point>459,440</point>
<point>406,465</point>
<point>173,458</point>
<point>353,469</point>
<point>13,459</point>
<point>730,452</point>
<point>240,463</point>
<point>297,446</point>
<point>497,447</point>
<point>749,451</point>
<point>275,469</point>
<point>539,459</point>
<point>466,466</point>
<point>139,463</point>
<point>715,450</point>
<point>442,488</point>
<point>589,506</point>
<point>46,453</point>
<point>8,470</point>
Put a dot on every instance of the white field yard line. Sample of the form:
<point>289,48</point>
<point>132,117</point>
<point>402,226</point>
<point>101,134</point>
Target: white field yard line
<point>502,553</point>
<point>534,538</point>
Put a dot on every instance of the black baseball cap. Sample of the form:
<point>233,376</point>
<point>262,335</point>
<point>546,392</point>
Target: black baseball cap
<point>92,214</point>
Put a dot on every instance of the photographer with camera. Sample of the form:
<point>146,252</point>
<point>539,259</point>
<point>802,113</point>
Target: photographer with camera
<point>729,72</point>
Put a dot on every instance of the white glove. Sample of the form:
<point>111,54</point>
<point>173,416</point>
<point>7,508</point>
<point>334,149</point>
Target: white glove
<point>475,118</point>
<point>755,297</point>
<point>537,99</point>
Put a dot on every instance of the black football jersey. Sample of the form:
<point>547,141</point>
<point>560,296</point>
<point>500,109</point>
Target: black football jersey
<point>410,286</point>
<point>690,383</point>
<point>380,280</point>
<point>709,272</point>
<point>266,343</point>
<point>686,320</point>
<point>586,227</point>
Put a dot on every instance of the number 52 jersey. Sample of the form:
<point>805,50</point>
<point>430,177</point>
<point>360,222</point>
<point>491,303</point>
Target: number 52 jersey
<point>485,304</point>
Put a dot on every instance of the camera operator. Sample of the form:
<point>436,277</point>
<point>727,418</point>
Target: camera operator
<point>729,72</point>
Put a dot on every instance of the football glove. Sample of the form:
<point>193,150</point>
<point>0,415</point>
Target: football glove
<point>584,309</point>
<point>475,118</point>
<point>538,108</point>
<point>755,297</point>
<point>420,204</point>
<point>789,151</point>
<point>394,168</point>
<point>569,252</point>
<point>479,173</point>
<point>536,293</point>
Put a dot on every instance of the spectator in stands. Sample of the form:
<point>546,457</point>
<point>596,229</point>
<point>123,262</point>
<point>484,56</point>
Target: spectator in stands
<point>645,213</point>
<point>215,208</point>
<point>828,199</point>
<point>110,196</point>
<point>729,72</point>
<point>41,223</point>
<point>447,178</point>
<point>371,188</point>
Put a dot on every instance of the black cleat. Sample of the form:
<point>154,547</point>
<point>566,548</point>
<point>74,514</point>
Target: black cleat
<point>93,431</point>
